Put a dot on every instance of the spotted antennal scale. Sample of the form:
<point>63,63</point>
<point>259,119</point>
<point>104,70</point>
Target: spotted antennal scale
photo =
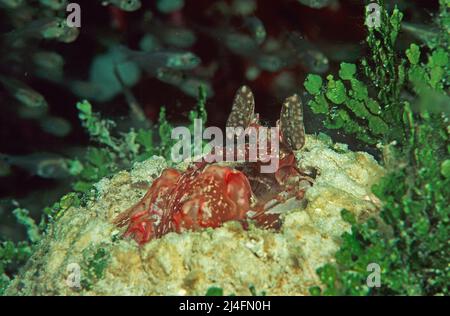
<point>243,110</point>
<point>291,123</point>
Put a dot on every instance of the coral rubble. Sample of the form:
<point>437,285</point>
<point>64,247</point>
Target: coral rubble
<point>229,257</point>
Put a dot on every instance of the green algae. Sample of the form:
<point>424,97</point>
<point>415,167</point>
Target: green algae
<point>409,238</point>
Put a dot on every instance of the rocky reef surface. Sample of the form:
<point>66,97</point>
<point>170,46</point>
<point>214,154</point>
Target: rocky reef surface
<point>84,254</point>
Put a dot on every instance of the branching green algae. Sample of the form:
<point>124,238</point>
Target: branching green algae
<point>409,239</point>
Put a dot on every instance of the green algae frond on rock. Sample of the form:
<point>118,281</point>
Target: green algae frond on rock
<point>228,257</point>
